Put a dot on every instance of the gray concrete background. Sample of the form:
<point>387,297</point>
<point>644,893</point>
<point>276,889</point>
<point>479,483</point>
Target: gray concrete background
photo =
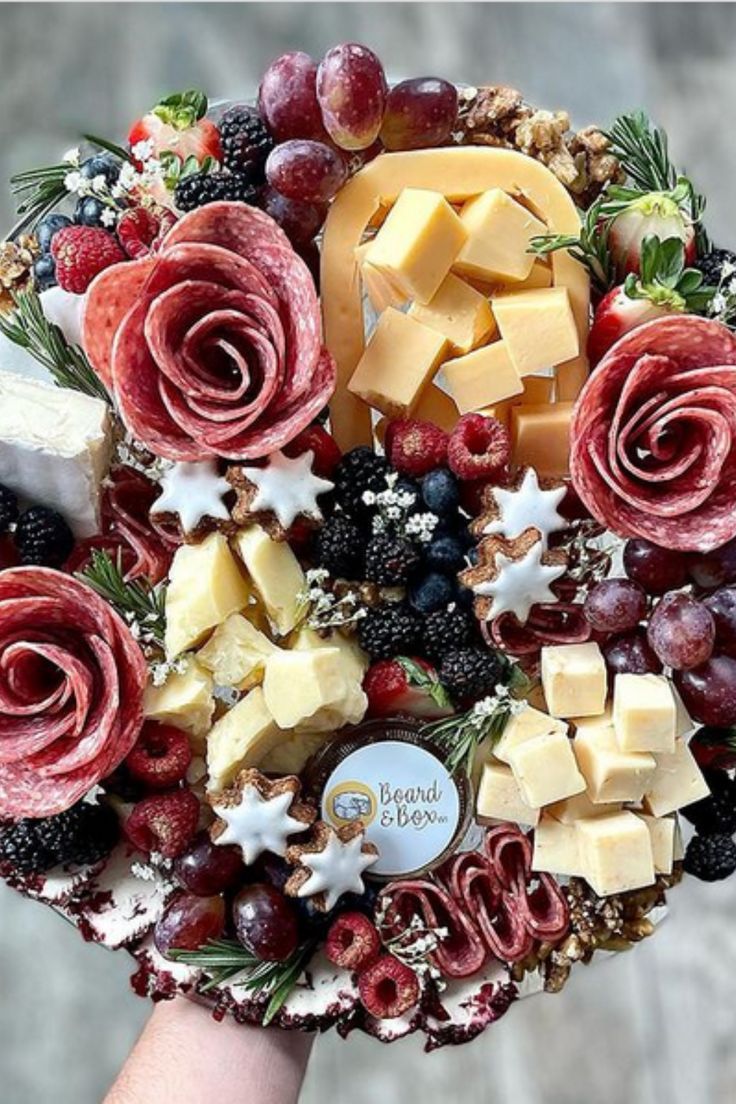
<point>658,1025</point>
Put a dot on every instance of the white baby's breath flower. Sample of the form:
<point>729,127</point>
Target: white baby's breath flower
<point>108,217</point>
<point>142,150</point>
<point>74,182</point>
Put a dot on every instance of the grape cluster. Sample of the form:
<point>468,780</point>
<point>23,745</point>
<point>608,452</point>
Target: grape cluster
<point>327,119</point>
<point>678,611</point>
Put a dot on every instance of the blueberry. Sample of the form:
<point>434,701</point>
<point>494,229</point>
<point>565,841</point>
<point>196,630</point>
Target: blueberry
<point>102,164</point>
<point>405,485</point>
<point>447,553</point>
<point>88,211</point>
<point>49,226</point>
<point>44,270</point>
<point>440,491</point>
<point>432,592</point>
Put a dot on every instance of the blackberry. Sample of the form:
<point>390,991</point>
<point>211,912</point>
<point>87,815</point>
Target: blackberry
<point>390,560</point>
<point>22,846</point>
<point>339,548</point>
<point>471,673</point>
<point>447,631</point>
<point>715,813</point>
<point>711,265</point>
<point>8,508</point>
<point>389,630</point>
<point>200,188</point>
<point>711,858</point>
<point>81,835</point>
<point>244,139</point>
<point>43,538</point>
<point>360,470</point>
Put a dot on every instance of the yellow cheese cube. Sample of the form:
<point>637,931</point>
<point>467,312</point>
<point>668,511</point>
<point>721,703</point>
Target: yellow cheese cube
<point>556,849</point>
<point>243,737</point>
<point>574,680</point>
<point>205,586</point>
<point>499,231</point>
<point>539,277</point>
<point>418,243</point>
<point>523,726</point>
<point>615,853</point>
<point>574,808</point>
<point>644,713</point>
<point>459,313</point>
<point>540,437</point>
<point>538,326</point>
<point>535,390</point>
<point>499,797</point>
<point>236,653</point>
<point>185,700</point>
<point>399,360</point>
<point>307,689</point>
<point>612,774</point>
<point>276,575</point>
<point>662,831</point>
<point>677,781</point>
<point>379,287</point>
<point>436,406</point>
<point>481,378</point>
<point>545,769</point>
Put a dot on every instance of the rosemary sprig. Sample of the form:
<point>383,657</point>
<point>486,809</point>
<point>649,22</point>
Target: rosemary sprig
<point>590,248</point>
<point>36,192</point>
<point>108,146</point>
<point>223,959</point>
<point>460,736</point>
<point>137,602</point>
<point>28,327</point>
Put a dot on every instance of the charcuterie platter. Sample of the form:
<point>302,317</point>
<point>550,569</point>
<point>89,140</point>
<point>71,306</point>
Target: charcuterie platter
<point>367,547</point>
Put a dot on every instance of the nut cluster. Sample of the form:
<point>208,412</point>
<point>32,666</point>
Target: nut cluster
<point>16,264</point>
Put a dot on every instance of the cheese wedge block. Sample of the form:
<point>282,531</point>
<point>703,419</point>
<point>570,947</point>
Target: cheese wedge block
<point>205,586</point>
<point>236,653</point>
<point>242,737</point>
<point>276,575</point>
<point>185,700</point>
<point>55,448</point>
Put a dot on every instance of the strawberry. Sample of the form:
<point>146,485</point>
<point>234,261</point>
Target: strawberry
<point>177,125</point>
<point>405,685</point>
<point>80,252</point>
<point>388,988</point>
<point>326,451</point>
<point>636,216</point>
<point>352,941</point>
<point>665,286</point>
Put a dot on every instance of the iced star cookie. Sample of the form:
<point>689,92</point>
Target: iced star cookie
<point>278,492</point>
<point>193,494</point>
<point>513,575</point>
<point>528,502</point>
<point>331,863</point>
<point>258,815</point>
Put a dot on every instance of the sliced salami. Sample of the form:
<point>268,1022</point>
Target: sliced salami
<point>499,917</point>
<point>653,436</point>
<point>71,691</point>
<point>548,623</point>
<point>462,952</point>
<point>108,299</point>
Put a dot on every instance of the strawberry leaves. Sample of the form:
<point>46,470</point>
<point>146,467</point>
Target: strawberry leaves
<point>425,679</point>
<point>664,280</point>
<point>182,109</point>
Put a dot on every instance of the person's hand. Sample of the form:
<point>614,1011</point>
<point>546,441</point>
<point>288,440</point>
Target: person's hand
<point>187,1057</point>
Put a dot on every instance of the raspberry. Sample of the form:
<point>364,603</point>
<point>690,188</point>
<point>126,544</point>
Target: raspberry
<point>161,756</point>
<point>352,941</point>
<point>479,448</point>
<point>414,447</point>
<point>165,823</point>
<point>80,252</point>
<point>326,451</point>
<point>138,230</point>
<point>388,988</point>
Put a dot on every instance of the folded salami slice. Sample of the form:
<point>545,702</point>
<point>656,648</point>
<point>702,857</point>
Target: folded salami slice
<point>537,897</point>
<point>548,623</point>
<point>500,916</point>
<point>462,952</point>
<point>653,435</point>
<point>71,691</point>
<point>214,346</point>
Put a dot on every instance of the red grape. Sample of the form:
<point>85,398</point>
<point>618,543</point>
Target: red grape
<point>307,171</point>
<point>709,692</point>
<point>189,922</point>
<point>655,569</point>
<point>420,112</point>
<point>351,90</point>
<point>615,605</point>
<point>722,605</point>
<point>631,654</point>
<point>266,922</point>
<point>681,631</point>
<point>206,868</point>
<point>713,569</point>
<point>714,748</point>
<point>299,221</point>
<point>287,98</point>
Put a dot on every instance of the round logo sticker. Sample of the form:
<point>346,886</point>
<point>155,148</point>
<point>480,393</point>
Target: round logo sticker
<point>405,797</point>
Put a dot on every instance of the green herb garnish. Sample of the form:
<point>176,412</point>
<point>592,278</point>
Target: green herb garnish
<point>138,602</point>
<point>590,247</point>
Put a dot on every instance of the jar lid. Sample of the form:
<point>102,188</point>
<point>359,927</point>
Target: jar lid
<point>392,777</point>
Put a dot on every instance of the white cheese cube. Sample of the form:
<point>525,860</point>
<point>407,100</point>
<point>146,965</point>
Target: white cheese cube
<point>236,653</point>
<point>523,726</point>
<point>611,774</point>
<point>574,808</point>
<point>644,713</point>
<point>205,587</point>
<point>677,782</point>
<point>276,575</point>
<point>185,701</point>
<point>242,737</point>
<point>662,831</point>
<point>312,690</point>
<point>499,797</point>
<point>615,853</point>
<point>556,849</point>
<point>574,680</point>
<point>545,769</point>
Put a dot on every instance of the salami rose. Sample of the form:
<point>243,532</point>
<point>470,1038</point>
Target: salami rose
<point>653,436</point>
<point>214,346</point>
<point>71,691</point>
